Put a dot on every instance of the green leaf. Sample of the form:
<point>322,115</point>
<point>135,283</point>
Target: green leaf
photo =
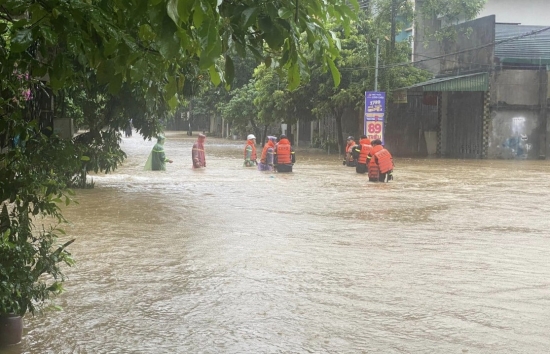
<point>293,76</point>
<point>184,10</point>
<point>334,71</point>
<point>146,33</point>
<point>110,47</point>
<point>84,158</point>
<point>198,15</point>
<point>229,69</point>
<point>173,102</point>
<point>249,16</point>
<point>170,88</point>
<point>173,13</point>
<point>211,44</point>
<point>214,75</point>
<point>272,34</point>
<point>286,13</point>
<point>21,40</point>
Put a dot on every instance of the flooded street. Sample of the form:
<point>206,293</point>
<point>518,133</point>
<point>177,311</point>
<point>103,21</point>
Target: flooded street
<point>451,257</point>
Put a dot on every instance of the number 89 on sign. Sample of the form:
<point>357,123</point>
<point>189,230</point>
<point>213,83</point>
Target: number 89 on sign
<point>374,130</point>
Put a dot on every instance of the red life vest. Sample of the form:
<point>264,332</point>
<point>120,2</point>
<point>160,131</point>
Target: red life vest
<point>365,150</point>
<point>374,150</point>
<point>267,145</point>
<point>251,144</point>
<point>384,160</point>
<point>374,172</point>
<point>283,152</point>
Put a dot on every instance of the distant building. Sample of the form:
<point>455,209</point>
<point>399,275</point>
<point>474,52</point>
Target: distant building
<point>489,96</point>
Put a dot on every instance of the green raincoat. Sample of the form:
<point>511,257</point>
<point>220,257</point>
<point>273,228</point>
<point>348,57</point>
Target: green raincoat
<point>157,158</point>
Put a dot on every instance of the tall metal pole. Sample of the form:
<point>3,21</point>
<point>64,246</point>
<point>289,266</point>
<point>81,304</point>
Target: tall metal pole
<point>376,70</point>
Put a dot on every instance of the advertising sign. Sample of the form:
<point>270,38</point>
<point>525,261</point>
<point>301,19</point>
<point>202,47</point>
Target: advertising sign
<point>375,109</point>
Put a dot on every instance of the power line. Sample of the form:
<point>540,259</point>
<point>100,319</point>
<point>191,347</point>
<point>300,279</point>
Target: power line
<point>495,43</point>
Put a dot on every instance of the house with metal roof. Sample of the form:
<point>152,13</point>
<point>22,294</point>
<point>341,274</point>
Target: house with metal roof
<point>488,98</point>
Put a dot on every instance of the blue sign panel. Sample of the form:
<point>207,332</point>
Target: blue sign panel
<point>375,109</point>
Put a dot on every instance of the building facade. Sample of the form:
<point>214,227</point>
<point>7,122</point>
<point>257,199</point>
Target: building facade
<point>488,99</point>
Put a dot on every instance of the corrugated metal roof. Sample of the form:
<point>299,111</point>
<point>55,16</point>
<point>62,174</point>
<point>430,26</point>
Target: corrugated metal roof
<point>534,49</point>
<point>471,82</point>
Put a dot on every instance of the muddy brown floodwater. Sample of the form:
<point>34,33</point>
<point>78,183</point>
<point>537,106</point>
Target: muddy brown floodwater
<point>451,257</point>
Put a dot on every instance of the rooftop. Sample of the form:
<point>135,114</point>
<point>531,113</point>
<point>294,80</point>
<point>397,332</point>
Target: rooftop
<point>533,48</point>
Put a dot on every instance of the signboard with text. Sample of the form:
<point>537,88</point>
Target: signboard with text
<point>375,109</point>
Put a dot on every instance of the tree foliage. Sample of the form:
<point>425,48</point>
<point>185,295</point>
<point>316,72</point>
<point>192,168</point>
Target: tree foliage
<point>104,62</point>
<point>448,13</point>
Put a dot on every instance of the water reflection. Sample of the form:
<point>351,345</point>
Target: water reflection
<point>450,257</point>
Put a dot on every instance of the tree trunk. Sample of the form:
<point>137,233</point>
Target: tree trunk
<point>257,131</point>
<point>264,136</point>
<point>339,131</point>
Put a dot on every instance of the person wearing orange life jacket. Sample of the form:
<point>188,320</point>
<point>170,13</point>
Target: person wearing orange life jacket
<point>380,163</point>
<point>349,160</point>
<point>266,160</point>
<point>360,153</point>
<point>250,158</point>
<point>284,155</point>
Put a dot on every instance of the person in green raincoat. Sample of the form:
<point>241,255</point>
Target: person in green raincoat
<point>157,159</point>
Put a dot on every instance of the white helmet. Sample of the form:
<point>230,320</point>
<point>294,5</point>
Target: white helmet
<point>250,137</point>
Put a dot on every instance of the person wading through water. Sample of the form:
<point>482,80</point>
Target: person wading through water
<point>349,160</point>
<point>380,163</point>
<point>266,160</point>
<point>157,158</point>
<point>284,155</point>
<point>361,152</point>
<point>250,158</point>
<point>197,153</point>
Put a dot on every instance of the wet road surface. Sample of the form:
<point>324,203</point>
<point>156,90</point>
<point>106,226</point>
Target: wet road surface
<point>451,257</point>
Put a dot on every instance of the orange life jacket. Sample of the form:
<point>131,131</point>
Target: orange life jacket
<point>251,144</point>
<point>267,145</point>
<point>384,160</point>
<point>374,172</point>
<point>283,151</point>
<point>366,148</point>
<point>371,161</point>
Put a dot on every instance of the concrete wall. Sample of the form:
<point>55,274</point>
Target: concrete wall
<point>526,12</point>
<point>518,114</point>
<point>515,87</point>
<point>472,34</point>
<point>424,47</point>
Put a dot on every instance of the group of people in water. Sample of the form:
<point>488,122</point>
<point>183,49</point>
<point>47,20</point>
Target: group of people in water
<point>370,158</point>
<point>278,155</point>
<point>157,158</point>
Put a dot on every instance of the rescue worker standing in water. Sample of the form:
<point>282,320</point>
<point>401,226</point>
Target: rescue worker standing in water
<point>284,155</point>
<point>250,158</point>
<point>380,163</point>
<point>349,160</point>
<point>266,160</point>
<point>360,152</point>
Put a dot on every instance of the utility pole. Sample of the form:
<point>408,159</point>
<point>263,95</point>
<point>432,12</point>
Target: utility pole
<point>376,69</point>
<point>393,25</point>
